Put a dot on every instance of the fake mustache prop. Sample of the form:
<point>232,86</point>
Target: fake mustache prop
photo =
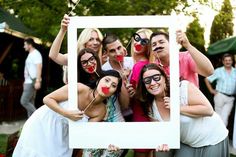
<point>158,48</point>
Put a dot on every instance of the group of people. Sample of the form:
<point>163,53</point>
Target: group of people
<point>121,88</point>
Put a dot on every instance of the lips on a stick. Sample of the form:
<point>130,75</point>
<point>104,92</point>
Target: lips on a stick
<point>105,90</point>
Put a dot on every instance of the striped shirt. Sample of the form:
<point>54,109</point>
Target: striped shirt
<point>225,82</point>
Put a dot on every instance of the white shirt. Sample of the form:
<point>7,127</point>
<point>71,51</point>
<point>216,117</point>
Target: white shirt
<point>197,132</point>
<point>31,62</point>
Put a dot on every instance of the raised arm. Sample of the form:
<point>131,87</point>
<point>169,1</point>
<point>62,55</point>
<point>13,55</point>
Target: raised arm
<point>198,105</point>
<point>56,45</point>
<point>204,66</point>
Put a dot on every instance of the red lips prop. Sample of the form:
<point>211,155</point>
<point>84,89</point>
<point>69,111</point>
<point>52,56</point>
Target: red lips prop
<point>138,47</point>
<point>91,69</point>
<point>120,58</point>
<point>105,90</point>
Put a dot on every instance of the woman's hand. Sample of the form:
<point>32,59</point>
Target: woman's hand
<point>167,102</point>
<point>113,148</point>
<point>130,89</point>
<point>163,148</point>
<point>65,22</point>
<point>74,114</point>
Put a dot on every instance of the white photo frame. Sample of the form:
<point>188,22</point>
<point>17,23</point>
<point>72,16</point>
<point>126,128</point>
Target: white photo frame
<point>124,134</point>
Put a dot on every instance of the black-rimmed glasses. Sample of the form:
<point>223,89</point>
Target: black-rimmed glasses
<point>148,80</point>
<point>92,59</point>
<point>143,41</point>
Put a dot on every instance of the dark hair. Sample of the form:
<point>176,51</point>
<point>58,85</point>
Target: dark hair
<point>227,55</point>
<point>159,33</point>
<point>110,38</point>
<point>117,75</point>
<point>30,41</point>
<point>142,94</point>
<point>82,75</point>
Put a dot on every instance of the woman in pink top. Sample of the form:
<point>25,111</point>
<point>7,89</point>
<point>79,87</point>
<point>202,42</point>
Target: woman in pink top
<point>140,51</point>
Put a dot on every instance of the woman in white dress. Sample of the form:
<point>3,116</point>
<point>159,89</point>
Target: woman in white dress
<point>45,133</point>
<point>202,132</point>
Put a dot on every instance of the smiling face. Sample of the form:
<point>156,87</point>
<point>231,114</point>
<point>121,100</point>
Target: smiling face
<point>227,62</point>
<point>154,82</point>
<point>94,42</point>
<point>89,63</point>
<point>160,46</point>
<point>107,86</point>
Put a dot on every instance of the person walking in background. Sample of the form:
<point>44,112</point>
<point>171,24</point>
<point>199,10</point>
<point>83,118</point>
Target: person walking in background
<point>32,75</point>
<point>225,90</point>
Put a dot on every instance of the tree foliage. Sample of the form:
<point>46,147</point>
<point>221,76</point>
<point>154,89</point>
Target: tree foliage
<point>195,34</point>
<point>222,25</point>
<point>44,16</point>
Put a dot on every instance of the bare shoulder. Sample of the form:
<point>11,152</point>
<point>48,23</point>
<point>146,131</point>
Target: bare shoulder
<point>82,87</point>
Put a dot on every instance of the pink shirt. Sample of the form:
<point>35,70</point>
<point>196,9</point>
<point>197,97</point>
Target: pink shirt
<point>136,72</point>
<point>138,114</point>
<point>187,68</point>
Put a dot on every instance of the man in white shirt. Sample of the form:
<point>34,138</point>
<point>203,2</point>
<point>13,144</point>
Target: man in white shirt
<point>32,75</point>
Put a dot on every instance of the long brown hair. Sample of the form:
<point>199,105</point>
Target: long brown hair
<point>142,94</point>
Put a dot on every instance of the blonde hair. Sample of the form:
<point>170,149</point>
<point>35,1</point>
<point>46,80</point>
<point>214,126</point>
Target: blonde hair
<point>85,36</point>
<point>148,33</point>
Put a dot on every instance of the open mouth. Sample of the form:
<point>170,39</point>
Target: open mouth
<point>154,88</point>
<point>105,90</point>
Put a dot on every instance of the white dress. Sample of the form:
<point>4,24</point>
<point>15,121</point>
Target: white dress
<point>45,134</point>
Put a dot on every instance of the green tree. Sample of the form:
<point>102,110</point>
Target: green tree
<point>195,34</point>
<point>44,16</point>
<point>222,25</point>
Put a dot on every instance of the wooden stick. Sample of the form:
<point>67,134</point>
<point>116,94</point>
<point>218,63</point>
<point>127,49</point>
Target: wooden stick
<point>122,69</point>
<point>90,103</point>
<point>97,73</point>
<point>73,8</point>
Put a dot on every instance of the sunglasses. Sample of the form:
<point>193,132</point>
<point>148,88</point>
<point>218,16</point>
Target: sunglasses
<point>148,80</point>
<point>143,41</point>
<point>90,60</point>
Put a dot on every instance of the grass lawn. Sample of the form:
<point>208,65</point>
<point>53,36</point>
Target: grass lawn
<point>3,143</point>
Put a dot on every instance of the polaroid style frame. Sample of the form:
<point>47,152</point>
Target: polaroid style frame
<point>124,134</point>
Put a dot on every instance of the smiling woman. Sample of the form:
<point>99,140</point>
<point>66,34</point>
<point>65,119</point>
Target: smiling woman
<point>51,138</point>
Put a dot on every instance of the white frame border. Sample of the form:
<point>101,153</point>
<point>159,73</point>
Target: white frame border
<point>124,134</point>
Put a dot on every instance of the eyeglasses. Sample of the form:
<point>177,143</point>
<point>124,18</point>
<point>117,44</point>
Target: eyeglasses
<point>90,60</point>
<point>143,41</point>
<point>148,80</point>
